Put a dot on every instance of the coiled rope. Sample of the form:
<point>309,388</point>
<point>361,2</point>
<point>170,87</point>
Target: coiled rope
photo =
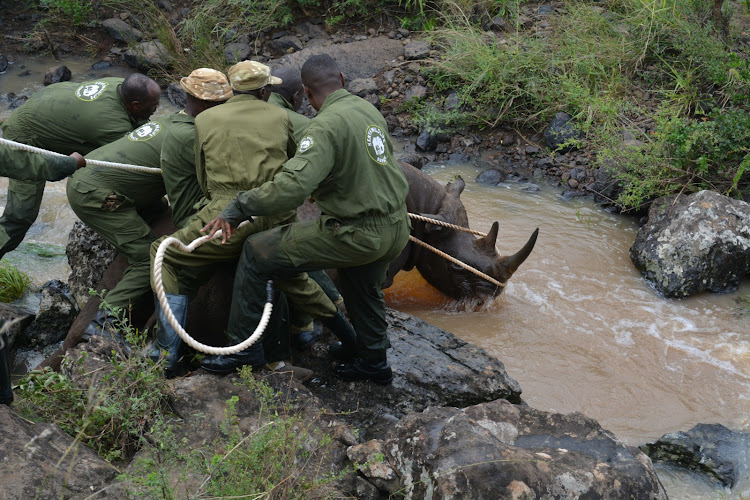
<point>92,163</point>
<point>162,297</point>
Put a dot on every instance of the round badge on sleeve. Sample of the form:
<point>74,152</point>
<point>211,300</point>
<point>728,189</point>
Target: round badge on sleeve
<point>90,91</point>
<point>306,143</point>
<point>145,131</point>
<point>376,144</point>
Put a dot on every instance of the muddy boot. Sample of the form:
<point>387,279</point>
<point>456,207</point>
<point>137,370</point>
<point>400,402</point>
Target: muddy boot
<point>377,370</point>
<point>102,326</point>
<point>303,338</point>
<point>167,339</point>
<point>6,394</point>
<point>253,356</point>
<point>346,348</point>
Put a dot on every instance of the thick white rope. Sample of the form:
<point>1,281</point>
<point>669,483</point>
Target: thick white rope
<point>446,224</point>
<point>91,163</point>
<point>162,296</point>
<point>458,262</point>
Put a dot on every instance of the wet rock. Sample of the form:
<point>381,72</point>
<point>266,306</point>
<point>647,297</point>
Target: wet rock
<point>17,101</point>
<point>122,31</point>
<point>416,49</point>
<point>237,51</point>
<point>559,132</point>
<point>147,55</point>
<point>284,45</point>
<point>177,95</point>
<point>3,64</point>
<point>491,176</point>
<point>88,256</point>
<point>165,5</point>
<point>606,186</point>
<point>497,23</point>
<point>531,188</point>
<point>57,75</point>
<point>373,99</point>
<point>24,71</point>
<point>414,159</point>
<point>362,86</point>
<point>708,449</point>
<point>452,101</point>
<point>531,150</point>
<point>38,459</point>
<point>499,450</point>
<point>10,312</point>
<point>312,30</point>
<point>695,243</point>
<point>100,65</point>
<point>415,92</point>
<point>57,311</point>
<point>426,140</point>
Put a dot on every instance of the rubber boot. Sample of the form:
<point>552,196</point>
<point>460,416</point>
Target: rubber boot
<point>167,339</point>
<point>304,338</point>
<point>378,370</point>
<point>346,348</point>
<point>101,326</point>
<point>6,394</point>
<point>223,365</point>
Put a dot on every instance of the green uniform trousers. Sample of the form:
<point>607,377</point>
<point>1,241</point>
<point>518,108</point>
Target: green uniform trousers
<point>120,222</point>
<point>361,251</point>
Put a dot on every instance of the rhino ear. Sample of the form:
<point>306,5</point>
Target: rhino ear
<point>434,228</point>
<point>488,242</point>
<point>456,187</point>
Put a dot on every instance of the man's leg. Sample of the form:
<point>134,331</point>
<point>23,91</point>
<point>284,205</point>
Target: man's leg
<point>21,210</point>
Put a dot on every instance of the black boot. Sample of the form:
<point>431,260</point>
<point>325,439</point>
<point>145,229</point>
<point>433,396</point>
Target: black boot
<point>167,339</point>
<point>306,338</point>
<point>6,394</point>
<point>346,349</point>
<point>253,356</point>
<point>102,326</point>
<point>378,371</point>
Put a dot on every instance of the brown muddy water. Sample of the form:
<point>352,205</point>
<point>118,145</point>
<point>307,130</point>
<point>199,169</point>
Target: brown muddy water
<point>577,326</point>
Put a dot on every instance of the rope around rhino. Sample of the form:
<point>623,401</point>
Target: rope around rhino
<point>92,163</point>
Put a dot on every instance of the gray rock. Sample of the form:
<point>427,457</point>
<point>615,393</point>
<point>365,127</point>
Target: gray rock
<point>559,132</point>
<point>122,31</point>
<point>103,64</point>
<point>499,450</point>
<point>695,243</point>
<point>426,141</point>
<point>57,311</point>
<point>312,30</point>
<point>415,92</point>
<point>362,86</point>
<point>56,75</point>
<point>497,23</point>
<point>17,101</point>
<point>147,55</point>
<point>237,51</point>
<point>284,45</point>
<point>3,64</point>
<point>491,176</point>
<point>606,186</point>
<point>416,49</point>
<point>389,76</point>
<point>89,255</point>
<point>708,449</point>
<point>42,461</point>
<point>10,312</point>
<point>452,101</point>
<point>412,158</point>
<point>177,95</point>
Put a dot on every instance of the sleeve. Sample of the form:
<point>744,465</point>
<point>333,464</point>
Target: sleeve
<point>27,166</point>
<point>291,144</point>
<point>289,188</point>
<point>178,171</point>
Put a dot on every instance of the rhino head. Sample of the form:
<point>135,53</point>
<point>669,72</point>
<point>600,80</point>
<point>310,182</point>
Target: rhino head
<point>480,253</point>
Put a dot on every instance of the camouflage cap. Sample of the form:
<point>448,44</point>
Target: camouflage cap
<point>207,85</point>
<point>251,75</point>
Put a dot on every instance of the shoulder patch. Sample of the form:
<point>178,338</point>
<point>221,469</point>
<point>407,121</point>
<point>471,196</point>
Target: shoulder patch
<point>375,139</point>
<point>305,144</point>
<point>145,131</point>
<point>91,91</point>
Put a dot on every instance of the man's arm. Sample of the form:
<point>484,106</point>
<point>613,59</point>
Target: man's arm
<point>37,167</point>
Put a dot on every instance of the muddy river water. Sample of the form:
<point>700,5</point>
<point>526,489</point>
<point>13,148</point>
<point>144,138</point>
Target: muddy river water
<point>577,326</point>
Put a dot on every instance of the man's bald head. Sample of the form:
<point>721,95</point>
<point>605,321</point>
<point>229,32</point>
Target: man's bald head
<point>141,95</point>
<point>291,86</point>
<point>321,76</point>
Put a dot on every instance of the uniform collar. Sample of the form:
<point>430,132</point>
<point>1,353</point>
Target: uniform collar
<point>333,97</point>
<point>243,97</point>
<point>279,100</point>
<point>183,117</point>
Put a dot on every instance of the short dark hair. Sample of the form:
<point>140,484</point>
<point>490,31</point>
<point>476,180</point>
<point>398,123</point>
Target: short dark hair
<point>136,87</point>
<point>291,83</point>
<point>320,70</point>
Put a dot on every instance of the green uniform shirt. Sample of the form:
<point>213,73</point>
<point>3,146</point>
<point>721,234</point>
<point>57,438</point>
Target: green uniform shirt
<point>299,122</point>
<point>345,159</point>
<point>36,167</point>
<point>67,117</point>
<point>141,147</point>
<point>178,168</point>
<point>240,145</point>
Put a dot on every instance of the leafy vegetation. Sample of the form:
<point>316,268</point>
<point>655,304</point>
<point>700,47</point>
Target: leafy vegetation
<point>12,282</point>
<point>77,12</point>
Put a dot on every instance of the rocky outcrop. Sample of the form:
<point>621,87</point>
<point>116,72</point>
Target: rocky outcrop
<point>57,311</point>
<point>708,449</point>
<point>695,243</point>
<point>89,255</point>
<point>499,450</point>
<point>147,55</point>
<point>57,74</point>
<point>41,461</point>
<point>122,31</point>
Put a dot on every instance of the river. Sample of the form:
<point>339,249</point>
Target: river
<point>577,325</point>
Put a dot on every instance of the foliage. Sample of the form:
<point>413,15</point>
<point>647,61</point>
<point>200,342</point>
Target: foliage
<point>12,282</point>
<point>77,12</point>
<point>111,416</point>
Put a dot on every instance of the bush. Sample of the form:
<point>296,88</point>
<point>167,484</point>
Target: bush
<point>12,282</point>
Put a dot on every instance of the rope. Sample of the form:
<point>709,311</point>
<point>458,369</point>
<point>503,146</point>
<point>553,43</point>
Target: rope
<point>162,296</point>
<point>458,262</point>
<point>446,224</point>
<point>92,163</point>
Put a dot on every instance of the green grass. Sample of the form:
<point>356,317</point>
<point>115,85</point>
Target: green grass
<point>12,282</point>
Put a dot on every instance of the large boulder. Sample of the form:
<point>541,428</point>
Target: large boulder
<point>695,243</point>
<point>57,311</point>
<point>148,55</point>
<point>56,75</point>
<point>500,450</point>
<point>41,461</point>
<point>122,31</point>
<point>89,255</point>
<point>708,449</point>
<point>560,135</point>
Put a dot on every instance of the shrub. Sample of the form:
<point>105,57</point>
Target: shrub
<point>12,282</point>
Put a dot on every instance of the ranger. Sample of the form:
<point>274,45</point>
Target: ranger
<point>118,204</point>
<point>69,117</point>
<point>37,167</point>
<point>345,160</point>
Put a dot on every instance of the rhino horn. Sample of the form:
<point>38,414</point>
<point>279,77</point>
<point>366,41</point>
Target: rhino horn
<point>513,262</point>
<point>456,187</point>
<point>488,242</point>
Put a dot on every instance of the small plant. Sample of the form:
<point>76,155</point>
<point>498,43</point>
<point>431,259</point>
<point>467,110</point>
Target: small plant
<point>77,12</point>
<point>12,282</point>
